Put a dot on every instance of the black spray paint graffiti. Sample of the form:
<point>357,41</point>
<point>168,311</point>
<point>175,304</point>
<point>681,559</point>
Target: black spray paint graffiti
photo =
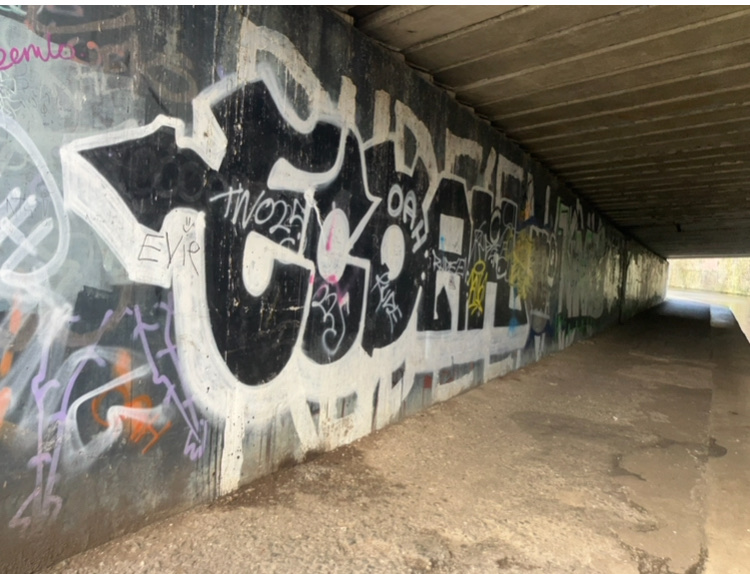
<point>406,252</point>
<point>396,237</point>
<point>153,176</point>
<point>299,234</point>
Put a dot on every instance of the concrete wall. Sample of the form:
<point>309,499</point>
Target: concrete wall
<point>227,240</point>
<point>645,281</point>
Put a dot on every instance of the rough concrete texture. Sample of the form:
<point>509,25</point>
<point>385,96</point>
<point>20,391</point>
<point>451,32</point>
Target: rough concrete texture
<point>728,477</point>
<point>593,460</point>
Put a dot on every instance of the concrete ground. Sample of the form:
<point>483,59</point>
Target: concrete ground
<point>605,458</point>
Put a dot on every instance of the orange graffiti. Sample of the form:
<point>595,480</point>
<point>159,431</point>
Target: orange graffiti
<point>6,363</point>
<point>16,318</point>
<point>123,364</point>
<point>139,429</point>
<point>5,397</point>
<point>16,321</point>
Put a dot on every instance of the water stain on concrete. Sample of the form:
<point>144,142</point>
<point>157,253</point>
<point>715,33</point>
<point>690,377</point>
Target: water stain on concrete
<point>618,470</point>
<point>715,450</point>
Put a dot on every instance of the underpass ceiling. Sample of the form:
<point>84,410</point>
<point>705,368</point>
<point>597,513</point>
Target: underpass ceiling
<point>644,111</point>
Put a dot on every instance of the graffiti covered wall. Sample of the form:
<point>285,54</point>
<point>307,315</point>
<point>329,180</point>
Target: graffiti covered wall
<point>646,278</point>
<point>230,238</point>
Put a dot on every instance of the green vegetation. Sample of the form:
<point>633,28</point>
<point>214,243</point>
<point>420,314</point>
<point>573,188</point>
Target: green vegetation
<point>722,275</point>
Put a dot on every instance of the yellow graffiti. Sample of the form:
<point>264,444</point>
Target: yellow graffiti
<point>521,274</point>
<point>477,287</point>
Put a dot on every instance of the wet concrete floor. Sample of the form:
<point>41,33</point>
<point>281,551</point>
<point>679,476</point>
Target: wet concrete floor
<point>626,453</point>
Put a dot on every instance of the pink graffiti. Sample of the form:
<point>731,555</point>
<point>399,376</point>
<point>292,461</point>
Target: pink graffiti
<point>15,56</point>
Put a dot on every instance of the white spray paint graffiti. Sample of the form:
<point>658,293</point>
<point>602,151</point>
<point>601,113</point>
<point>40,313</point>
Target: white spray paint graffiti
<point>243,406</point>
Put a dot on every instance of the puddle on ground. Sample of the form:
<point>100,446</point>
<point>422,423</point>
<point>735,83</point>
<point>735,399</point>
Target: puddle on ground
<point>715,450</point>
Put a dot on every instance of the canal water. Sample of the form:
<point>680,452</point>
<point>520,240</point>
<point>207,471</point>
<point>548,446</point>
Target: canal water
<point>739,305</point>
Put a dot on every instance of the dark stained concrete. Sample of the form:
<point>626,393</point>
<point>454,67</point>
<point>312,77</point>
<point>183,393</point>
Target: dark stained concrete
<point>614,456</point>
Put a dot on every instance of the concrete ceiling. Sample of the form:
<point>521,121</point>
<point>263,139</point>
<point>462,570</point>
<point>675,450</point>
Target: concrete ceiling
<point>643,110</point>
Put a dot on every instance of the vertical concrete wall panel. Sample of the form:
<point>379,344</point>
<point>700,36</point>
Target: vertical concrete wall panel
<point>229,238</point>
<point>645,281</point>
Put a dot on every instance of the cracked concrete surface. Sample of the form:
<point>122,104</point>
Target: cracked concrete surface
<point>592,461</point>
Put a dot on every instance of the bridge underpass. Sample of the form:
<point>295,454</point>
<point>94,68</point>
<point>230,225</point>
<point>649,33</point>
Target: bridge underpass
<point>642,110</point>
<point>264,236</point>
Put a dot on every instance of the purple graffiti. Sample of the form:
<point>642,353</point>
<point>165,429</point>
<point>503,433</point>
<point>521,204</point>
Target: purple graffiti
<point>198,427</point>
<point>45,505</point>
<point>42,504</point>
